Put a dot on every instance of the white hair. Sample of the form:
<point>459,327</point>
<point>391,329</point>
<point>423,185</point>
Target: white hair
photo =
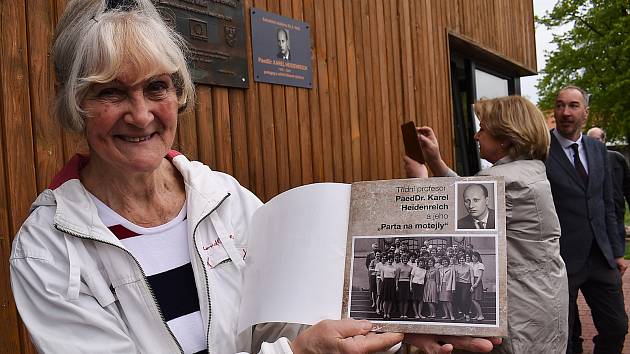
<point>95,44</point>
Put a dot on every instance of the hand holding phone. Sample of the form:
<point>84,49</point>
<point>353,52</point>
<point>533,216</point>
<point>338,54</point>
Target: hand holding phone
<point>410,140</point>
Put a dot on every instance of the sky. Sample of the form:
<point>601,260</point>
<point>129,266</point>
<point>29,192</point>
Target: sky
<point>543,44</point>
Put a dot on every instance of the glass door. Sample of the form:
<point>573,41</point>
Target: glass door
<point>487,86</point>
<point>471,81</point>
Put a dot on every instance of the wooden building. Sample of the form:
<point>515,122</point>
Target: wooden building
<point>376,64</point>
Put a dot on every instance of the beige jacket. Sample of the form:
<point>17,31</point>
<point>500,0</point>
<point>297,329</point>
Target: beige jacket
<point>538,294</point>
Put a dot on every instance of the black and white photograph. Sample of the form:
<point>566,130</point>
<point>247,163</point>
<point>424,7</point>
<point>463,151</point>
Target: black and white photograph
<point>284,44</point>
<point>475,206</point>
<point>429,279</point>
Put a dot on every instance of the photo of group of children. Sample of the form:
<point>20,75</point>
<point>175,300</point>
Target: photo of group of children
<point>424,279</point>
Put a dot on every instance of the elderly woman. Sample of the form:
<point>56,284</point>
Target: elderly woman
<point>134,248</point>
<point>514,137</point>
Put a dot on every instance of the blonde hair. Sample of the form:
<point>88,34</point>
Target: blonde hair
<point>94,44</point>
<point>517,120</point>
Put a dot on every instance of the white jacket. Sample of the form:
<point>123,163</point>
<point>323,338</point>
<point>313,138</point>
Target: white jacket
<point>79,290</point>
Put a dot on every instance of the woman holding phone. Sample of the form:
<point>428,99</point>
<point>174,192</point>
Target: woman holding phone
<point>513,135</point>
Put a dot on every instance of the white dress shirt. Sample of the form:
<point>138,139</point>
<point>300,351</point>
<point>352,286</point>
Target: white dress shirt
<point>568,150</point>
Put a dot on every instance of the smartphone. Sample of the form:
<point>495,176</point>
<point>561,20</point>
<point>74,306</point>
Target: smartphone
<point>410,139</point>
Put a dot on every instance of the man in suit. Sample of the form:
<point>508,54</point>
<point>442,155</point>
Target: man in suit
<point>284,48</point>
<point>621,179</point>
<point>370,256</point>
<point>621,188</point>
<point>480,216</point>
<point>589,244</point>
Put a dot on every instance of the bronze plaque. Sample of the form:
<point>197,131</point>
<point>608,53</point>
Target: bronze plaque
<point>215,33</point>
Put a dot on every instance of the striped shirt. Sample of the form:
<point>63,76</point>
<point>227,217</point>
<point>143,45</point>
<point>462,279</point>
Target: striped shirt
<point>162,252</point>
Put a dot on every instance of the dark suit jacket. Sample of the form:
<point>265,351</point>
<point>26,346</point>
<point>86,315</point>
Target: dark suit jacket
<point>368,259</point>
<point>280,56</point>
<point>586,212</point>
<point>621,182</point>
<point>468,222</point>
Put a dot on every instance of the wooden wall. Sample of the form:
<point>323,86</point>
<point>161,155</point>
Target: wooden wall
<point>376,63</point>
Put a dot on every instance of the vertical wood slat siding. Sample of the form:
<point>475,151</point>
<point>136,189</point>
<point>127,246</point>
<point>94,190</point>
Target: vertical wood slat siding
<point>18,157</point>
<point>292,120</point>
<point>313,98</point>
<point>355,129</point>
<point>345,123</point>
<point>360,101</point>
<point>280,123</point>
<point>376,64</point>
<point>48,149</point>
<point>254,147</point>
<point>372,141</point>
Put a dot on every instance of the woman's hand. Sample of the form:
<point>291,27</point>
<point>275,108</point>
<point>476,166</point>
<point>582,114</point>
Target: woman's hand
<point>415,169</point>
<point>343,336</point>
<point>431,151</point>
<point>437,344</point>
<point>429,143</point>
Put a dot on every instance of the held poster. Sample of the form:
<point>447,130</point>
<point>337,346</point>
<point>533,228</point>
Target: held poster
<point>442,256</point>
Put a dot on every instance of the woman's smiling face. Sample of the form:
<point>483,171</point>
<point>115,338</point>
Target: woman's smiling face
<point>131,122</point>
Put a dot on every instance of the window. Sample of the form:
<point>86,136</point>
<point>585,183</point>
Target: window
<point>471,81</point>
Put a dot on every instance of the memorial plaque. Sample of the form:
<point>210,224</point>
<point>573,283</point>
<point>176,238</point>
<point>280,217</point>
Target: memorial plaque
<point>215,33</point>
<point>281,49</point>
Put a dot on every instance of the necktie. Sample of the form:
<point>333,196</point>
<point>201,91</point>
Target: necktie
<point>578,163</point>
<point>481,224</point>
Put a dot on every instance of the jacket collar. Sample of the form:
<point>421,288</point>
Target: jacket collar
<point>76,213</point>
<point>556,152</point>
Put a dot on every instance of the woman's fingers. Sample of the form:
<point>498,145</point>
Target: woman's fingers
<point>428,343</point>
<point>348,327</point>
<point>425,131</point>
<point>473,344</point>
<point>415,169</point>
<point>431,343</point>
<point>343,336</point>
<point>370,343</point>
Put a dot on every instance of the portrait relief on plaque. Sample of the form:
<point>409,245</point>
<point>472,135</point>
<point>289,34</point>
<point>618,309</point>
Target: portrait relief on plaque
<point>230,35</point>
<point>198,30</point>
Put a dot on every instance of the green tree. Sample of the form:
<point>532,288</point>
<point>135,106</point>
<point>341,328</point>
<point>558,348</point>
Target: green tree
<point>595,55</point>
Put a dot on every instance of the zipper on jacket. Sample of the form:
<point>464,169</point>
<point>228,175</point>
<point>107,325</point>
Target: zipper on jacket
<point>205,272</point>
<point>144,276</point>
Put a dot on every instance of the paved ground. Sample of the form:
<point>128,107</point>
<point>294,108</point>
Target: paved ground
<point>588,329</point>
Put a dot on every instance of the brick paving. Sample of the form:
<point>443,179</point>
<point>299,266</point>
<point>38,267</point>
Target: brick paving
<point>588,329</point>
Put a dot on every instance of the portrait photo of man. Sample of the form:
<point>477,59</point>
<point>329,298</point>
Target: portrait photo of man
<point>478,205</point>
<point>284,46</point>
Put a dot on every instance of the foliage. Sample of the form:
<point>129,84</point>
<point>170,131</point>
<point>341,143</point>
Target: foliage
<point>595,55</point>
